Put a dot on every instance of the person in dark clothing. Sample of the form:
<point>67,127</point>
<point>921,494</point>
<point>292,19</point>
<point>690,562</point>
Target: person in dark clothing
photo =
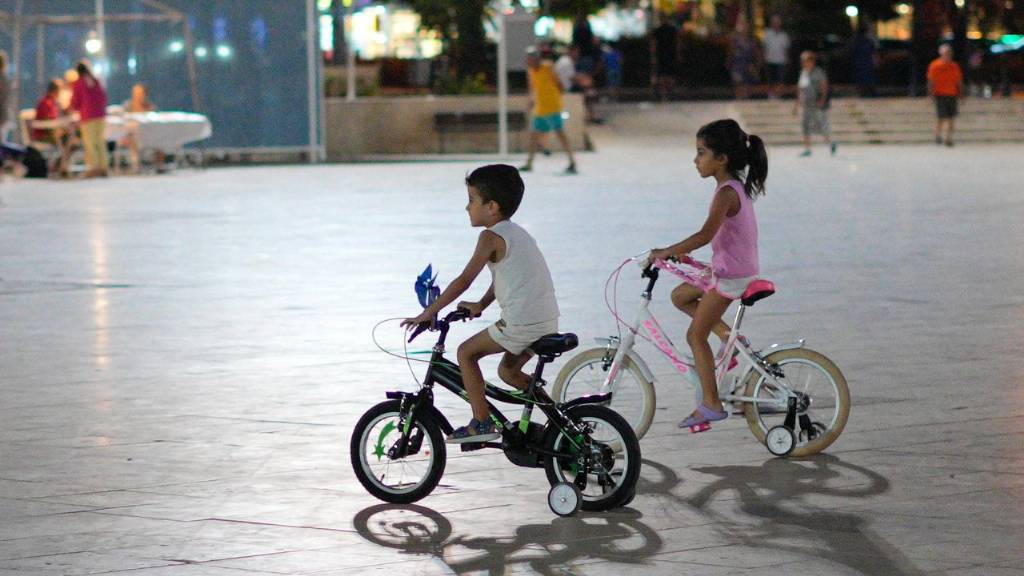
<point>664,58</point>
<point>864,58</point>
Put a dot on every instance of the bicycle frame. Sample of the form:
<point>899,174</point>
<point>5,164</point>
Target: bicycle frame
<point>752,360</point>
<point>446,373</point>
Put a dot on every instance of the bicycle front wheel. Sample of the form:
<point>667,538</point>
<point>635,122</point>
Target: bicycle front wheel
<point>822,387</point>
<point>633,395</point>
<point>393,470</point>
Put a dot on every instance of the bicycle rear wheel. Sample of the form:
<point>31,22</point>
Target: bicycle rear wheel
<point>819,381</point>
<point>605,477</point>
<point>633,396</point>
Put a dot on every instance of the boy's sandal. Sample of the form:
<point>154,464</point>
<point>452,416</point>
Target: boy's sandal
<point>704,415</point>
<point>475,431</point>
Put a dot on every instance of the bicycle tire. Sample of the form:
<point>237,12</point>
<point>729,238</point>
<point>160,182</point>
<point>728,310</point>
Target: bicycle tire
<point>635,406</point>
<point>435,454</point>
<point>755,384</point>
<point>556,470</point>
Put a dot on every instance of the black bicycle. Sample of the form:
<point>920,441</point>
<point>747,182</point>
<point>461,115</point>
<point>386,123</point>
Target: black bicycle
<point>591,454</point>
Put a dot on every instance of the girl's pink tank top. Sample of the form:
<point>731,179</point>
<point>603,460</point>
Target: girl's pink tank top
<point>734,247</point>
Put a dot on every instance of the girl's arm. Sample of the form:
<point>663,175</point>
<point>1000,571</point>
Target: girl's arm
<point>486,246</point>
<point>725,201</point>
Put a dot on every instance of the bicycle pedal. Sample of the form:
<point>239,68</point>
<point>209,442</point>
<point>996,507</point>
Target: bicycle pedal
<point>698,428</point>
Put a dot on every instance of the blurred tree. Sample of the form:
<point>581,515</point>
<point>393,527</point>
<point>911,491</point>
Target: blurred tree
<point>461,26</point>
<point>819,18</point>
<point>573,8</point>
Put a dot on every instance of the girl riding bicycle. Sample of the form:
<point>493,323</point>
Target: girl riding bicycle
<point>730,155</point>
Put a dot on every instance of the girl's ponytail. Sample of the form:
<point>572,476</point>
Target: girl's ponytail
<point>757,169</point>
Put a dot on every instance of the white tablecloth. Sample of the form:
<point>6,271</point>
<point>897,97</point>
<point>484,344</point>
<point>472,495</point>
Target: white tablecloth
<point>160,130</point>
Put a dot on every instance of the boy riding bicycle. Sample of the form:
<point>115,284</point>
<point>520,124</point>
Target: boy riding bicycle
<point>520,282</point>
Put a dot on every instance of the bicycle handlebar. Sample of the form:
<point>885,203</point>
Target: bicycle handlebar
<point>457,315</point>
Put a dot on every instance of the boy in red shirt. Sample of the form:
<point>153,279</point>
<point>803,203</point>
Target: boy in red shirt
<point>945,84</point>
<point>48,108</point>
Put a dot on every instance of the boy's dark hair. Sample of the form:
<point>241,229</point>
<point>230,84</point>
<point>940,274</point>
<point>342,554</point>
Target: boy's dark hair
<point>53,86</point>
<point>499,183</point>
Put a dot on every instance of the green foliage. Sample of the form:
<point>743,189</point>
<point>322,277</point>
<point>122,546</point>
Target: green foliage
<point>470,85</point>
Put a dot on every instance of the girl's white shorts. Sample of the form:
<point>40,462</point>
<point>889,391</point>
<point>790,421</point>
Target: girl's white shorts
<point>731,288</point>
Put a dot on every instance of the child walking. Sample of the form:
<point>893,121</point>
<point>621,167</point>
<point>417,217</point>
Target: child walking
<point>739,164</point>
<point>520,282</point>
<point>546,98</point>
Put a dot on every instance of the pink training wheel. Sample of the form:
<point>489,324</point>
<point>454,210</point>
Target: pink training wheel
<point>698,428</point>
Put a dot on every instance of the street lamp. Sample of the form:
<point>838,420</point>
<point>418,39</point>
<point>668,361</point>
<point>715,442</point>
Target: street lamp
<point>93,44</point>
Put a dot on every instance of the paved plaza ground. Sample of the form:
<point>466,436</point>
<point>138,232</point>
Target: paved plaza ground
<point>183,358</point>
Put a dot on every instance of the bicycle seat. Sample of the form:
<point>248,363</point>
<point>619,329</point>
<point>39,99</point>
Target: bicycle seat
<point>757,290</point>
<point>555,343</point>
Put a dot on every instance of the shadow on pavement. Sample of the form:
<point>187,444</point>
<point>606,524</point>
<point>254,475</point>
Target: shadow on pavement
<point>776,497</point>
<point>617,536</point>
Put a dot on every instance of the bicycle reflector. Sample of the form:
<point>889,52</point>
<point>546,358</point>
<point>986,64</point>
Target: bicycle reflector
<point>426,290</point>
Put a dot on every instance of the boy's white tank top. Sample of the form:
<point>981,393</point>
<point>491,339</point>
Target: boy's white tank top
<point>522,281</point>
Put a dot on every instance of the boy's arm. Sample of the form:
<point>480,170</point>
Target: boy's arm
<point>725,200</point>
<point>485,247</point>
<point>477,308</point>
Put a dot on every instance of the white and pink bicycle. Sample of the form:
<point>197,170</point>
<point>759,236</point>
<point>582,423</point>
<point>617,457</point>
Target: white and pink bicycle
<point>795,400</point>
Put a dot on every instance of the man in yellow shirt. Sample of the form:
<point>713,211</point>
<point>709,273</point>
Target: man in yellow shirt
<point>546,100</point>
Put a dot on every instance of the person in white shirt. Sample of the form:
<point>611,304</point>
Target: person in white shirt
<point>776,55</point>
<point>565,69</point>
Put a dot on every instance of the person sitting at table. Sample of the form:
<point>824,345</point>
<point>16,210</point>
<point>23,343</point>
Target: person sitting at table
<point>90,100</point>
<point>48,108</point>
<point>140,103</point>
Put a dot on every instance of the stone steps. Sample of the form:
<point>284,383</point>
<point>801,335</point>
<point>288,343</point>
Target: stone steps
<point>887,120</point>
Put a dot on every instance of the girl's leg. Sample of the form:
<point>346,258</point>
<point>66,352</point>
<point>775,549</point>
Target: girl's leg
<point>709,311</point>
<point>469,355</point>
<point>687,298</point>
<point>510,370</point>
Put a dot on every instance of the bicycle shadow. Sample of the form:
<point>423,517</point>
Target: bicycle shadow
<point>548,549</point>
<point>776,494</point>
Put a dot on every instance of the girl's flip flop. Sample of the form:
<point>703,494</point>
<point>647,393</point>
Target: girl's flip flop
<point>702,421</point>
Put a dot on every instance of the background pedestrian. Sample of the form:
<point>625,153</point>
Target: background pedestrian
<point>813,100</point>
<point>946,85</point>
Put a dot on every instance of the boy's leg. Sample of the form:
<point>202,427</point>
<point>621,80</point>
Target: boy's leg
<point>469,355</point>
<point>709,312</point>
<point>534,142</point>
<point>687,298</point>
<point>565,144</point>
<point>510,370</point>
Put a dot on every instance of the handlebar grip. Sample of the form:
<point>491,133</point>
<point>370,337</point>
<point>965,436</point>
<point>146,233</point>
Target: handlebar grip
<point>421,328</point>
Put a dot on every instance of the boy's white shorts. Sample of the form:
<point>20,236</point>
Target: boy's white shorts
<point>517,337</point>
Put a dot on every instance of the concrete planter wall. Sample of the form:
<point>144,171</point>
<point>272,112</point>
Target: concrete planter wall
<point>405,125</point>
